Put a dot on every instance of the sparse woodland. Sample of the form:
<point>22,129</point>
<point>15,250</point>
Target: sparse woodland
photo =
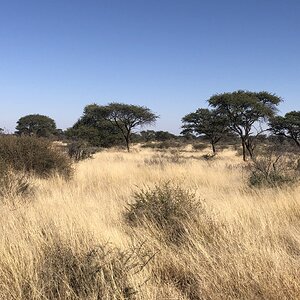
<point>110,210</point>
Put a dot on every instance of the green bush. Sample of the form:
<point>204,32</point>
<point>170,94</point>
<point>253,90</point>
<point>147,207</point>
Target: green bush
<point>166,206</point>
<point>33,155</point>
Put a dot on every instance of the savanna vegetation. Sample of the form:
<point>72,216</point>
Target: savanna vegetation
<point>111,210</point>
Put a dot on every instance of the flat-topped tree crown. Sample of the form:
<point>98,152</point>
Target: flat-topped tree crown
<point>244,109</point>
<point>288,126</point>
<point>207,122</point>
<point>35,124</point>
<point>126,117</point>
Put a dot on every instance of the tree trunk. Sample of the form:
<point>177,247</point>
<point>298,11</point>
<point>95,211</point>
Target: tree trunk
<point>250,148</point>
<point>244,149</point>
<point>213,147</point>
<point>127,144</point>
<point>127,139</point>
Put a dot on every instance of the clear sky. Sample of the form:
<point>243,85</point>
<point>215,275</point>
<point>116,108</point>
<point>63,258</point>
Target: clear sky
<point>56,56</point>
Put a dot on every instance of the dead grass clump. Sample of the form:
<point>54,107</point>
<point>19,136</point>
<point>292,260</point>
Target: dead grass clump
<point>182,278</point>
<point>13,184</point>
<point>171,157</point>
<point>103,272</point>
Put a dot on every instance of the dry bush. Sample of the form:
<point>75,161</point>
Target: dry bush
<point>64,270</point>
<point>33,155</point>
<point>171,157</point>
<point>102,273</point>
<point>167,207</point>
<point>200,146</point>
<point>13,184</point>
<point>80,151</point>
<point>274,169</point>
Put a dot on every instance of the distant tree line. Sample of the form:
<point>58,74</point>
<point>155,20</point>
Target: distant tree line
<point>246,115</point>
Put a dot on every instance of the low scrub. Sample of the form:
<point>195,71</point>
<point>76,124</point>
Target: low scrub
<point>97,274</point>
<point>101,272</point>
<point>13,184</point>
<point>271,170</point>
<point>33,155</point>
<point>173,157</point>
<point>80,151</point>
<point>164,145</point>
<point>167,207</point>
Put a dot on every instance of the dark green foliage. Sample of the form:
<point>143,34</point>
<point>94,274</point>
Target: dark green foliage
<point>156,136</point>
<point>206,122</point>
<point>94,129</point>
<point>106,126</point>
<point>33,155</point>
<point>165,145</point>
<point>246,111</point>
<point>126,117</point>
<point>287,126</point>
<point>38,125</point>
<point>167,207</point>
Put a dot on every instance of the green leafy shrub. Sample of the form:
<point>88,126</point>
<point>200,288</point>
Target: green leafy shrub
<point>34,156</point>
<point>166,206</point>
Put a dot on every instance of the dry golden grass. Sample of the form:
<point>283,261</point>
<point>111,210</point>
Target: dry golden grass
<point>246,245</point>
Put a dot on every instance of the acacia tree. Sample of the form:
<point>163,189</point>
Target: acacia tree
<point>39,125</point>
<point>246,111</point>
<point>288,126</point>
<point>94,129</point>
<point>209,123</point>
<point>119,119</point>
<point>127,117</point>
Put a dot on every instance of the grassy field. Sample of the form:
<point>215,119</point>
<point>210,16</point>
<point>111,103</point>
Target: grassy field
<point>71,240</point>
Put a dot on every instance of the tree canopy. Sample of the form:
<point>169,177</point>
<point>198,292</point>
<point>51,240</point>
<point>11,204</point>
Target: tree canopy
<point>126,117</point>
<point>288,126</point>
<point>112,121</point>
<point>35,124</point>
<point>209,123</point>
<point>246,111</point>
<point>94,129</point>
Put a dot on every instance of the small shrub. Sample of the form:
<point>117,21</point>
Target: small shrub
<point>164,145</point>
<point>184,279</point>
<point>80,151</point>
<point>172,157</point>
<point>272,170</point>
<point>199,147</point>
<point>33,155</point>
<point>102,273</point>
<point>166,206</point>
<point>13,184</point>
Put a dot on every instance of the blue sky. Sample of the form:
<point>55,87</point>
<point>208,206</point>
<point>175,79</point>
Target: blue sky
<point>57,56</point>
